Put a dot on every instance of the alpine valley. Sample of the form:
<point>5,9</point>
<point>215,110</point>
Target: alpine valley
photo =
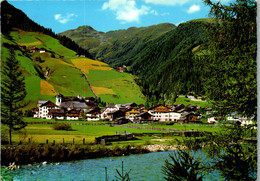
<point>165,57</point>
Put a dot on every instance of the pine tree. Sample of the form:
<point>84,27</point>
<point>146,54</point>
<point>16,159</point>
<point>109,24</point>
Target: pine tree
<point>12,95</point>
<point>231,81</point>
<point>183,166</point>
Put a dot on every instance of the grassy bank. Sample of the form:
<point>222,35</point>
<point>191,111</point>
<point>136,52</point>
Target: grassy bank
<point>35,153</point>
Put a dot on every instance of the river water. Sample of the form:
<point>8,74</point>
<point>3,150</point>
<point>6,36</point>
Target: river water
<point>143,167</point>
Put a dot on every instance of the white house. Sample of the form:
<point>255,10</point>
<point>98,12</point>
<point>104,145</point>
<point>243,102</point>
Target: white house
<point>166,116</point>
<point>212,120</point>
<point>42,50</point>
<point>56,114</point>
<point>108,109</point>
<point>44,109</point>
<point>93,114</point>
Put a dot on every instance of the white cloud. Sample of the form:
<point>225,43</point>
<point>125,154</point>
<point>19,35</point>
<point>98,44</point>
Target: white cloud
<point>154,12</point>
<point>126,10</point>
<point>167,2</point>
<point>165,14</point>
<point>193,9</point>
<point>64,19</point>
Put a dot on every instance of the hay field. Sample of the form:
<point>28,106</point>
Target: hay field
<point>47,88</point>
<point>102,90</point>
<point>85,64</point>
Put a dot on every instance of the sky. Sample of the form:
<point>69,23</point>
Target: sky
<point>110,15</point>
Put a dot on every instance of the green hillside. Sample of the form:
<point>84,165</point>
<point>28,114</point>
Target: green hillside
<point>55,70</point>
<point>48,67</point>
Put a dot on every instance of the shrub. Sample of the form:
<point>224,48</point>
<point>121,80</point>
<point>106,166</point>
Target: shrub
<point>62,126</point>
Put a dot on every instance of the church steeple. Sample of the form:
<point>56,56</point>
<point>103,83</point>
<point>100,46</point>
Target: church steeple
<point>58,99</point>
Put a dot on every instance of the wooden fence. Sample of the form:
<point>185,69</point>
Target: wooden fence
<point>67,141</point>
<point>119,137</point>
<point>185,133</point>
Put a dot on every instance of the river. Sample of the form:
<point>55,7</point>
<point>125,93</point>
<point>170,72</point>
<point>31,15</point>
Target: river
<point>143,167</point>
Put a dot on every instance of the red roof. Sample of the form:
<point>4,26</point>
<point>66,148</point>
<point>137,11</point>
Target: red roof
<point>49,104</point>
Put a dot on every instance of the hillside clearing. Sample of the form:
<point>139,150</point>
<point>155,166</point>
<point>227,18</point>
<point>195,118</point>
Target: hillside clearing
<point>102,90</point>
<point>47,88</point>
<point>85,64</point>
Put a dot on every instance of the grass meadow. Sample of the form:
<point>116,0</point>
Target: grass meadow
<point>39,133</point>
<point>187,101</point>
<point>122,85</point>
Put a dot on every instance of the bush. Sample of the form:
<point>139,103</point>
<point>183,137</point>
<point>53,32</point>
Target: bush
<point>62,126</point>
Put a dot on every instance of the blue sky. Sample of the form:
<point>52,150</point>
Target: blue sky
<point>107,15</point>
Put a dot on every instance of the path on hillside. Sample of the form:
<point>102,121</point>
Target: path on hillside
<point>86,77</point>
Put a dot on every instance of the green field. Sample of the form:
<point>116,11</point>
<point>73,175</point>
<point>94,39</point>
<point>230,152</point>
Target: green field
<point>39,133</point>
<point>186,101</point>
<point>121,83</point>
<point>188,127</point>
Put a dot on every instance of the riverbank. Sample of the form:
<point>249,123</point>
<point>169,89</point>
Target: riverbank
<point>37,153</point>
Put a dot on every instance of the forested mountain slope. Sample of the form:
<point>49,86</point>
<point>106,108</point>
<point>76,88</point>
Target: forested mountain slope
<point>119,47</point>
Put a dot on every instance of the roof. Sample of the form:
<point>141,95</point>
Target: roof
<point>110,105</point>
<point>179,111</point>
<point>186,114</point>
<point>133,111</point>
<point>116,111</point>
<point>59,95</point>
<point>93,110</point>
<point>143,114</point>
<point>155,106</point>
<point>56,111</point>
<point>74,104</point>
<point>73,113</point>
<point>130,104</point>
<point>41,102</point>
<point>49,104</point>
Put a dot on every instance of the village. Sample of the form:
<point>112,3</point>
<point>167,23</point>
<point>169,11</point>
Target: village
<point>79,108</point>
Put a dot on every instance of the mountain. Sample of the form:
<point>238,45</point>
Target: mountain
<point>116,47</point>
<point>85,36</point>
<point>49,67</point>
<point>165,57</point>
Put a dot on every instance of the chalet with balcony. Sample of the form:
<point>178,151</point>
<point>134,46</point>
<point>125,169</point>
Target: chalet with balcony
<point>93,114</point>
<point>131,114</point>
<point>72,114</point>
